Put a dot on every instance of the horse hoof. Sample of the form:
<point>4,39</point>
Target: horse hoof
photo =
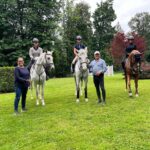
<point>37,103</point>
<point>43,103</point>
<point>137,95</point>
<point>130,94</point>
<point>86,100</point>
<point>77,100</point>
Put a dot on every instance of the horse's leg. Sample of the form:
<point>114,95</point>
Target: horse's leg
<point>81,85</point>
<point>78,88</point>
<point>136,86</point>
<point>36,88</point>
<point>129,85</point>
<point>31,89</point>
<point>85,89</point>
<point>39,91</point>
<point>126,82</point>
<point>42,94</point>
<point>75,86</point>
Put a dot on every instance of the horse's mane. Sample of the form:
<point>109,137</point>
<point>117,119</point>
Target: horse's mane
<point>40,59</point>
<point>82,52</point>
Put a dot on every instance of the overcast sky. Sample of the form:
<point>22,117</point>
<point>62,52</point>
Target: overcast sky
<point>124,9</point>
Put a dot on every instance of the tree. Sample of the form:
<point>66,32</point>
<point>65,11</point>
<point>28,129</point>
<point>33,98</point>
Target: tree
<point>140,24</point>
<point>118,28</point>
<point>20,21</point>
<point>103,17</point>
<point>76,22</point>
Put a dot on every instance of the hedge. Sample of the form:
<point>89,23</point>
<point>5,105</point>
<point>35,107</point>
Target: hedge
<point>6,79</point>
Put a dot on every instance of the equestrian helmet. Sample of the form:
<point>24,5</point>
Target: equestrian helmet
<point>35,40</point>
<point>131,37</point>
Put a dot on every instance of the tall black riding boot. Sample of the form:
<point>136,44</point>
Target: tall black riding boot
<point>72,68</point>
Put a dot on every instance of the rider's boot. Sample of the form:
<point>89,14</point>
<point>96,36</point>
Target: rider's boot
<point>72,68</point>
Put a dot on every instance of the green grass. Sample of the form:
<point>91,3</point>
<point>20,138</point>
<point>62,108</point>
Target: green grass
<point>123,124</point>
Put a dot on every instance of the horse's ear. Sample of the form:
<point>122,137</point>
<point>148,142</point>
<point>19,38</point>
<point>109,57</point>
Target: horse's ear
<point>86,49</point>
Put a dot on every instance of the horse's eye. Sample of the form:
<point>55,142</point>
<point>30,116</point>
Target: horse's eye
<point>48,58</point>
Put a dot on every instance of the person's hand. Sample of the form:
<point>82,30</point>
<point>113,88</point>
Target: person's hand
<point>98,73</point>
<point>29,81</point>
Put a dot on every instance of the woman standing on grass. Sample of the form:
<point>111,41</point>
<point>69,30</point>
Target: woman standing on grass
<point>21,84</point>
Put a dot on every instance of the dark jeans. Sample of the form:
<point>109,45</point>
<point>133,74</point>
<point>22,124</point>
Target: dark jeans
<point>20,92</point>
<point>99,84</point>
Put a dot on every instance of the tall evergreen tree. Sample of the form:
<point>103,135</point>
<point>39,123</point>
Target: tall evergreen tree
<point>103,17</point>
<point>22,20</point>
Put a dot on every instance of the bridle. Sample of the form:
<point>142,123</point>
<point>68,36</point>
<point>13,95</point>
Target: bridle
<point>81,63</point>
<point>45,65</point>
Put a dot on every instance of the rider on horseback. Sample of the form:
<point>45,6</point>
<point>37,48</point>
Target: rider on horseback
<point>77,47</point>
<point>129,50</point>
<point>35,52</point>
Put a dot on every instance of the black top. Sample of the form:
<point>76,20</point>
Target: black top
<point>79,46</point>
<point>130,48</point>
<point>21,77</point>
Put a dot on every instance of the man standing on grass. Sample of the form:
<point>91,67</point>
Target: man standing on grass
<point>98,68</point>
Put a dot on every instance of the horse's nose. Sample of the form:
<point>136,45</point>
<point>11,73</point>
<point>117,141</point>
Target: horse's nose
<point>84,68</point>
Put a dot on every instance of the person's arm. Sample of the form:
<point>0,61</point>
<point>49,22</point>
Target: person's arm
<point>30,53</point>
<point>104,67</point>
<point>17,75</point>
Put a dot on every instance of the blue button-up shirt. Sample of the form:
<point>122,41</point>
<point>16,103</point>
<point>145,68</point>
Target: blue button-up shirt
<point>98,66</point>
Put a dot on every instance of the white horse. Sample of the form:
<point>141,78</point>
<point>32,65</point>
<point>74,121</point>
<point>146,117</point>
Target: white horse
<point>38,75</point>
<point>81,73</point>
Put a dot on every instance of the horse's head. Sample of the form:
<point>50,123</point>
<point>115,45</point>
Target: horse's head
<point>49,59</point>
<point>135,60</point>
<point>83,59</point>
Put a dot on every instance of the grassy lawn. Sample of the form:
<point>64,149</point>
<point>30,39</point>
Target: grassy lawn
<point>123,124</point>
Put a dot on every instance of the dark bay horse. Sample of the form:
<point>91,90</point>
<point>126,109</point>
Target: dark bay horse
<point>132,69</point>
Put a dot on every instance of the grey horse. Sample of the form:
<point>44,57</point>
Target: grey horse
<point>38,75</point>
<point>81,73</point>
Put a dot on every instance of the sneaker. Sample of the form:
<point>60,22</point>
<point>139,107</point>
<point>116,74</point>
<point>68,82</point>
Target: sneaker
<point>99,101</point>
<point>103,103</point>
<point>24,110</point>
<point>16,113</point>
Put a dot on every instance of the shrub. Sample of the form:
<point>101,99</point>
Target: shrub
<point>6,79</point>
